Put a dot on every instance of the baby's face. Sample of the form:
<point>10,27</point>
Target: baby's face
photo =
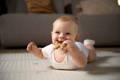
<point>63,31</point>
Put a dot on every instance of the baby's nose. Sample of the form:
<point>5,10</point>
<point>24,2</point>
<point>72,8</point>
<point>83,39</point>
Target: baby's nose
<point>61,37</point>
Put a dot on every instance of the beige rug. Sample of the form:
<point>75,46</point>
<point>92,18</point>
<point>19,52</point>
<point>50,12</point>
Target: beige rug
<point>20,65</point>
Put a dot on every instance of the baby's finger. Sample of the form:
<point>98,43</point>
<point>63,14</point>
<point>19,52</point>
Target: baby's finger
<point>64,43</point>
<point>68,42</point>
<point>29,47</point>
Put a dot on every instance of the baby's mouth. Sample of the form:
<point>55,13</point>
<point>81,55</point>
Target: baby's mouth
<point>59,42</point>
<point>60,45</point>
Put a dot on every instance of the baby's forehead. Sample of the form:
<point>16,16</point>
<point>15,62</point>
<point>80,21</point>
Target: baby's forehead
<point>61,21</point>
<point>69,28</point>
<point>69,21</point>
<point>64,23</point>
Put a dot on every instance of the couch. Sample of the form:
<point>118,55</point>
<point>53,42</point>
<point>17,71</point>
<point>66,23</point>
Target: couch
<point>18,26</point>
<point>104,29</point>
<point>18,29</point>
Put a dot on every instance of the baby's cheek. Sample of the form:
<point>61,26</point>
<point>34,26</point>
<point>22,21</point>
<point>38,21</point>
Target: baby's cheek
<point>68,38</point>
<point>54,38</point>
<point>71,40</point>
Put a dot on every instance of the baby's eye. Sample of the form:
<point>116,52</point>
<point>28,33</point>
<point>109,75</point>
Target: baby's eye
<point>67,33</point>
<point>57,32</point>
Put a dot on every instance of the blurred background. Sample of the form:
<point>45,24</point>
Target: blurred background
<point>22,21</point>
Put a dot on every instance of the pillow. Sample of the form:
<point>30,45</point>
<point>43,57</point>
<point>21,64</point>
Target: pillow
<point>40,6</point>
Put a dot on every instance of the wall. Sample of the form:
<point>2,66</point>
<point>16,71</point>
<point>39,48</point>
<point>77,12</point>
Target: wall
<point>95,7</point>
<point>16,6</point>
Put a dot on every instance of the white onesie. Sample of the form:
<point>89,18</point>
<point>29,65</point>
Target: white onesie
<point>68,62</point>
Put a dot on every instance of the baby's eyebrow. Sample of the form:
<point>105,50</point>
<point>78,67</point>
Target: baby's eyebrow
<point>57,31</point>
<point>67,32</point>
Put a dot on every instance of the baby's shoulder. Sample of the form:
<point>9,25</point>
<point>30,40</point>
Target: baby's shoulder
<point>50,46</point>
<point>47,50</point>
<point>81,47</point>
<point>79,43</point>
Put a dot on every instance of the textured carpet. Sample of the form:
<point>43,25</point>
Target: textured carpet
<point>24,66</point>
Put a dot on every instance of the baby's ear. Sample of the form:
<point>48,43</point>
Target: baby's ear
<point>77,37</point>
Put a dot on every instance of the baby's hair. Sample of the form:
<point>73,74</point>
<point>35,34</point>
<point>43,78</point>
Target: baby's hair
<point>68,18</point>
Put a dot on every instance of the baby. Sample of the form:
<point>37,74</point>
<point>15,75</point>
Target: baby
<point>65,52</point>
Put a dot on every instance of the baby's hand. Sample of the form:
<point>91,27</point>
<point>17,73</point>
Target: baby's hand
<point>69,44</point>
<point>31,47</point>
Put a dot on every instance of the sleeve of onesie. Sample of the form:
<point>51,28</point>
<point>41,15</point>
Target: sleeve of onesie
<point>47,50</point>
<point>82,48</point>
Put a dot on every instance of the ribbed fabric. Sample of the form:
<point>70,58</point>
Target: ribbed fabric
<point>24,66</point>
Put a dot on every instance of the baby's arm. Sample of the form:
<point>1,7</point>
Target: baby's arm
<point>78,56</point>
<point>32,48</point>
